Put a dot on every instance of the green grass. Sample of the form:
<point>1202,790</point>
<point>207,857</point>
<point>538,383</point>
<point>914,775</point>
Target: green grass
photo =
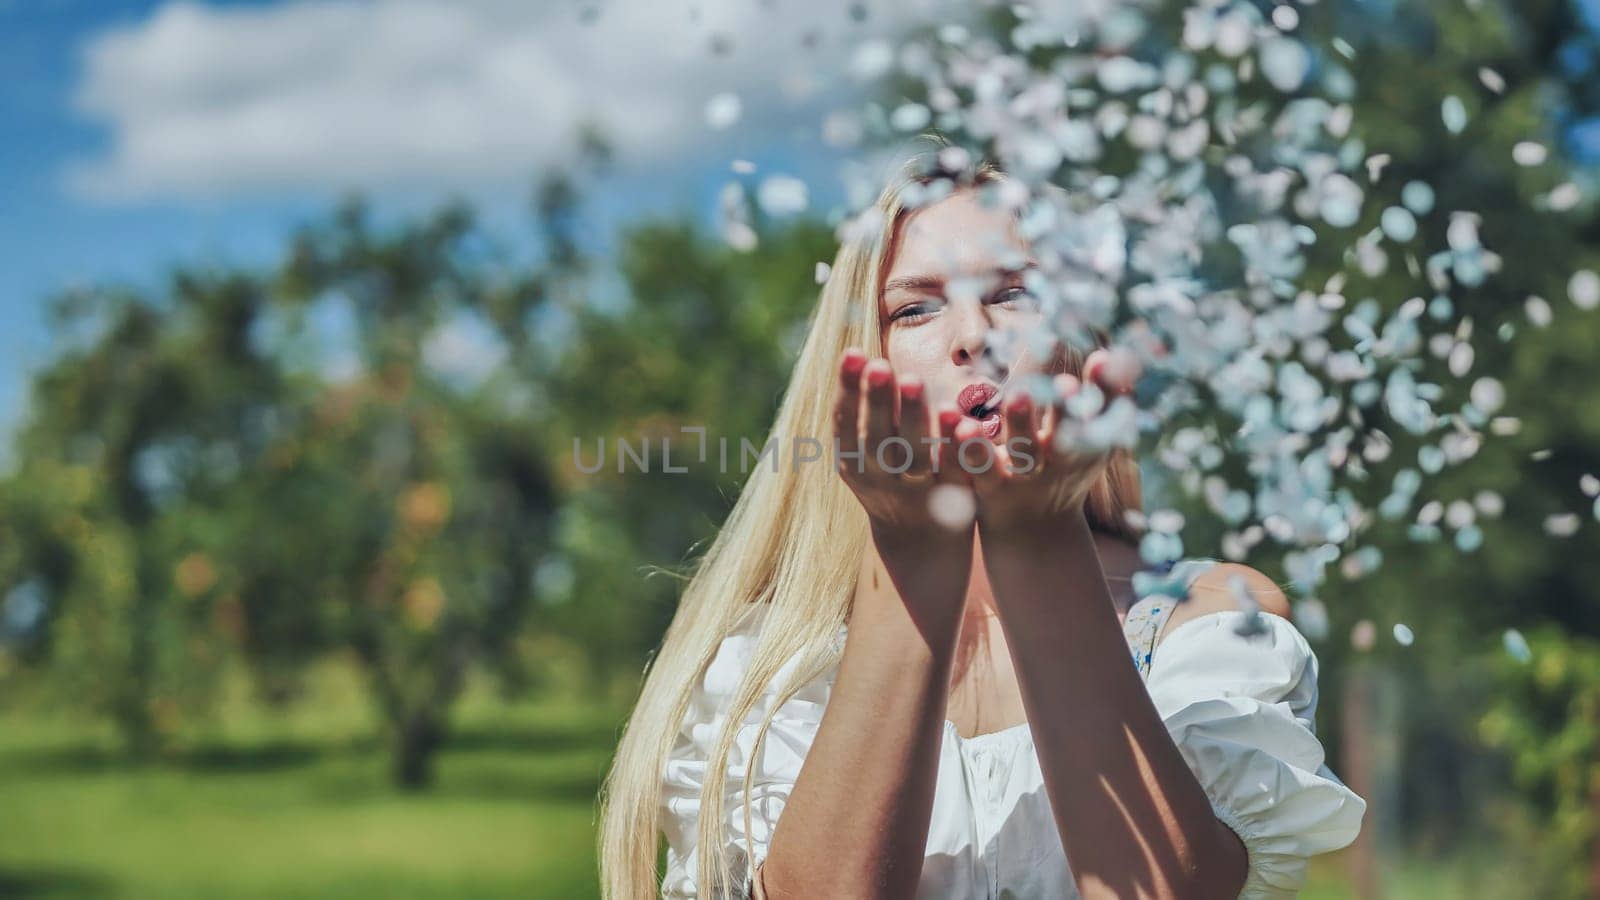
<point>298,806</point>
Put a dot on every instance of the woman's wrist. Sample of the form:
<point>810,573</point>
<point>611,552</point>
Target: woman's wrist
<point>919,574</point>
<point>1053,532</point>
<point>915,542</point>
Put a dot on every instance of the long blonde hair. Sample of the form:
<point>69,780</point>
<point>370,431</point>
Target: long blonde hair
<point>793,542</point>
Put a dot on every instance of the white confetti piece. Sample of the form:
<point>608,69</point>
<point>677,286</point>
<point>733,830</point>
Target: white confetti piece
<point>1529,153</point>
<point>1489,504</point>
<point>1516,645</point>
<point>1584,289</point>
<point>723,110</point>
<point>1561,525</point>
<point>1538,311</point>
<point>781,195</point>
<point>872,59</point>
<point>952,506</point>
<point>1488,395</point>
<point>1563,196</point>
<point>1311,617</point>
<point>1285,62</point>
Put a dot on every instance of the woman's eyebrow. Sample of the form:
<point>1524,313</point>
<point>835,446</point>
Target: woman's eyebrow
<point>918,283</point>
<point>936,283</point>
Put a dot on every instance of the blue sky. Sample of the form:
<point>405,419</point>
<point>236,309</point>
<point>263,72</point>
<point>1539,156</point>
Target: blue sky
<point>48,239</point>
<point>146,133</point>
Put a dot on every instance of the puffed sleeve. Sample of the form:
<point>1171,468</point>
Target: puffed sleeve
<point>1242,710</point>
<point>782,752</point>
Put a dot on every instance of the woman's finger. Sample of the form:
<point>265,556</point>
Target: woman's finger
<point>973,451</point>
<point>914,428</point>
<point>847,411</point>
<point>1114,370</point>
<point>1064,388</point>
<point>1020,444</point>
<point>946,467</point>
<point>879,425</point>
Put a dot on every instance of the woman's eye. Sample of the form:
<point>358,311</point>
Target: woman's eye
<point>1015,296</point>
<point>911,312</point>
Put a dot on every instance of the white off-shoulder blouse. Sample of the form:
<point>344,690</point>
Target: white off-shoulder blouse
<point>1240,706</point>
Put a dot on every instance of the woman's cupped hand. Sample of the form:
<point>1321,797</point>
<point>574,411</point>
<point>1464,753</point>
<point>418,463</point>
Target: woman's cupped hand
<point>919,470</point>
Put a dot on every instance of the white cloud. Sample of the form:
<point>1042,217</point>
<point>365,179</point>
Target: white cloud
<point>214,102</point>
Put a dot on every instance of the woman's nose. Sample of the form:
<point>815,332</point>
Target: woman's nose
<point>970,330</point>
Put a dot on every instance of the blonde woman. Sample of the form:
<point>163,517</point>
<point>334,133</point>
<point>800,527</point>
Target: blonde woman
<point>855,699</point>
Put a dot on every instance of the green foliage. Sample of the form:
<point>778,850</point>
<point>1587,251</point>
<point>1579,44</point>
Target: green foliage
<point>137,429</point>
<point>705,339</point>
<point>1546,718</point>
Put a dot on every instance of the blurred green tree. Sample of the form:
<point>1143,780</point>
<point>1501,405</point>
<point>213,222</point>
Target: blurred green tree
<point>703,337</point>
<point>135,434</point>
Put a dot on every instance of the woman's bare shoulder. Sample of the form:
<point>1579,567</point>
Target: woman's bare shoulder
<point>1212,591</point>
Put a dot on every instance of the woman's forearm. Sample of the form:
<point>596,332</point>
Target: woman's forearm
<point>856,823</point>
<point>1133,819</point>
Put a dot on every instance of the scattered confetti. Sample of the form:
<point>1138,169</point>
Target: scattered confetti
<point>1516,645</point>
<point>1529,153</point>
<point>1418,197</point>
<point>1363,635</point>
<point>1584,289</point>
<point>952,506</point>
<point>1561,525</point>
<point>1311,617</point>
<point>1488,395</point>
<point>1454,114</point>
<point>822,272</point>
<point>1563,196</point>
<point>1538,311</point>
<point>1285,62</point>
<point>1151,152</point>
<point>781,195</point>
<point>872,59</point>
<point>1489,504</point>
<point>723,110</point>
<point>1403,634</point>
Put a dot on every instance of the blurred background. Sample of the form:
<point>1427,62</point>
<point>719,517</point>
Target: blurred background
<point>301,592</point>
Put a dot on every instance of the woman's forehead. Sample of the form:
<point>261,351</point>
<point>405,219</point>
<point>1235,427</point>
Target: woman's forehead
<point>955,237</point>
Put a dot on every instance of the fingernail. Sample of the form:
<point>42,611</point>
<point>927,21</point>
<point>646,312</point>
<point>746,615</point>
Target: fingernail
<point>949,419</point>
<point>911,390</point>
<point>878,376</point>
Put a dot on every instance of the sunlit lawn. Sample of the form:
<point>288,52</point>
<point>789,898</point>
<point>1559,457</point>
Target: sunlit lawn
<point>298,806</point>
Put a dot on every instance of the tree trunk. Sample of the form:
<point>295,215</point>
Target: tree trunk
<point>417,738</point>
<point>1361,776</point>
